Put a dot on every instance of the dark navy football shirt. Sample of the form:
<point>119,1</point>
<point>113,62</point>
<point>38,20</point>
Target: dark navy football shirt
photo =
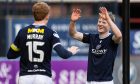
<point>101,57</point>
<point>35,44</point>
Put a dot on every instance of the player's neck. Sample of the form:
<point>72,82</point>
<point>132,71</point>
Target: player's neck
<point>103,35</point>
<point>42,22</point>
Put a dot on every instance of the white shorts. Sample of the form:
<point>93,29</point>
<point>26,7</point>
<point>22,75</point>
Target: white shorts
<point>35,79</point>
<point>106,82</point>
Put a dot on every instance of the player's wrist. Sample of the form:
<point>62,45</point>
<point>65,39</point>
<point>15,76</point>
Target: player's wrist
<point>72,21</point>
<point>109,19</point>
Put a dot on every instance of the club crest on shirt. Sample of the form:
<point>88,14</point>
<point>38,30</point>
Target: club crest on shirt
<point>100,41</point>
<point>98,46</point>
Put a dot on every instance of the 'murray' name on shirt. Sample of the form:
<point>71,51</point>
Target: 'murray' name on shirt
<point>35,36</point>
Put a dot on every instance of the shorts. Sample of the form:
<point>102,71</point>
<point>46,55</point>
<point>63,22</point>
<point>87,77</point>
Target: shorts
<point>106,82</point>
<point>35,79</point>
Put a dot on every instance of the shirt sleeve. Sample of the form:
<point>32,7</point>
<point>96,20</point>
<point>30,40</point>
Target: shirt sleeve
<point>86,38</point>
<point>55,39</point>
<point>14,49</point>
<point>62,52</point>
<point>113,43</point>
<point>16,44</point>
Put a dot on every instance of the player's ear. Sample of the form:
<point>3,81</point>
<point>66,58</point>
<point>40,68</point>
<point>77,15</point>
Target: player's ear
<point>47,16</point>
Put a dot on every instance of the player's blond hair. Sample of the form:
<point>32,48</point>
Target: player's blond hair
<point>40,10</point>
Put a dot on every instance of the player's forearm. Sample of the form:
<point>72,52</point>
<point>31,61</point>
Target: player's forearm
<point>73,33</point>
<point>115,29</point>
<point>72,29</point>
<point>63,53</point>
<point>12,54</point>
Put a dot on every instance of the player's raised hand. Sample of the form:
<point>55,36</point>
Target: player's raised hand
<point>73,49</point>
<point>104,13</point>
<point>76,14</point>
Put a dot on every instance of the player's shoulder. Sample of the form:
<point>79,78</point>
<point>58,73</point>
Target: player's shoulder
<point>90,35</point>
<point>26,27</point>
<point>93,35</point>
<point>23,30</point>
<point>110,35</point>
<point>50,30</point>
<point>53,32</point>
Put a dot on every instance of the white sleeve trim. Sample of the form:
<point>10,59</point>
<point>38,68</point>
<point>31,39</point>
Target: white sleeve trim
<point>56,44</point>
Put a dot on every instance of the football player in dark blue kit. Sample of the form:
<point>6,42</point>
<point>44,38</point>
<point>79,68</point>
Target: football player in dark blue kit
<point>34,45</point>
<point>102,46</point>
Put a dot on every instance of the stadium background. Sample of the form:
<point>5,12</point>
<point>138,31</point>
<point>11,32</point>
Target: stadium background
<point>15,14</point>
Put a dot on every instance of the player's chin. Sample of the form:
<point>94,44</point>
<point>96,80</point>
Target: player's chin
<point>100,31</point>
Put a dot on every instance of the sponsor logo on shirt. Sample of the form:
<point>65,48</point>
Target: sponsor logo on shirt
<point>32,30</point>
<point>37,70</point>
<point>99,51</point>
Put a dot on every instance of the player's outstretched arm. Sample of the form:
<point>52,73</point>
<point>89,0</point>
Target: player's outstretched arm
<point>117,37</point>
<point>72,27</point>
<point>62,52</point>
<point>13,52</point>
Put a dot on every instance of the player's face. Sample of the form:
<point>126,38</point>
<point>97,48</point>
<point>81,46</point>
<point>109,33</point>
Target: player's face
<point>102,25</point>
